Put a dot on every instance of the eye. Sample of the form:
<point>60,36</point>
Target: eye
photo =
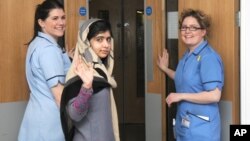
<point>109,39</point>
<point>99,39</point>
<point>63,17</point>
<point>54,18</point>
<point>184,28</point>
<point>192,28</point>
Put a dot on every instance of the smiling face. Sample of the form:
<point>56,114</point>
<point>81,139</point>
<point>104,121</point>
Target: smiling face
<point>101,44</point>
<point>54,24</point>
<point>194,37</point>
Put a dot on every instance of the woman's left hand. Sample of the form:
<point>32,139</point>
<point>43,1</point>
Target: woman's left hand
<point>85,72</point>
<point>173,98</point>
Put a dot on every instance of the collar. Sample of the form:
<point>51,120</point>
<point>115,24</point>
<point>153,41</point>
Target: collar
<point>200,48</point>
<point>47,37</point>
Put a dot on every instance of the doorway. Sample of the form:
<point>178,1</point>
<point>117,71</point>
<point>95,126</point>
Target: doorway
<point>126,18</point>
<point>172,47</point>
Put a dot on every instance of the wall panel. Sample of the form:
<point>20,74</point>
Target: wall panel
<point>16,29</point>
<point>73,19</point>
<point>156,85</point>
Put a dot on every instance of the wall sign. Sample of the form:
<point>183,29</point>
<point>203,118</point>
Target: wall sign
<point>149,10</point>
<point>82,11</point>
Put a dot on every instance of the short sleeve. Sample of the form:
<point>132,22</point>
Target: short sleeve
<point>52,65</point>
<point>212,74</point>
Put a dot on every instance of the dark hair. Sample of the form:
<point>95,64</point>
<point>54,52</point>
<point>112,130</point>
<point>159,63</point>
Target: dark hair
<point>98,27</point>
<point>42,12</point>
<point>203,19</point>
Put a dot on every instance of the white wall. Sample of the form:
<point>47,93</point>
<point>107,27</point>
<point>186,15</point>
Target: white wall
<point>11,115</point>
<point>245,61</point>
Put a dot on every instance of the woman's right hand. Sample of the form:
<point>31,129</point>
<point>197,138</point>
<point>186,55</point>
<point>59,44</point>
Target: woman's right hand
<point>163,60</point>
<point>85,72</point>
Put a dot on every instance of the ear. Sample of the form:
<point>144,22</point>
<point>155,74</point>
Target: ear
<point>204,32</point>
<point>41,23</point>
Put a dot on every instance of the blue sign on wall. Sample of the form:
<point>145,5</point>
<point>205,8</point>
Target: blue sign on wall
<point>82,11</point>
<point>149,10</point>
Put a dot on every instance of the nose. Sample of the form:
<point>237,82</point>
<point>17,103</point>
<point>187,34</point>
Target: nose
<point>187,29</point>
<point>61,21</point>
<point>187,32</point>
<point>106,43</point>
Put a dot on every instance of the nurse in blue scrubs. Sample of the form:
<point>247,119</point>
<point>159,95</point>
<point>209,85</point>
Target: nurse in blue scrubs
<point>199,79</point>
<point>46,67</point>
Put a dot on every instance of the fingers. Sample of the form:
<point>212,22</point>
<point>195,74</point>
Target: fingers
<point>159,57</point>
<point>80,61</point>
<point>165,53</point>
<point>170,99</point>
<point>81,66</point>
<point>90,64</point>
<point>168,102</point>
<point>158,61</point>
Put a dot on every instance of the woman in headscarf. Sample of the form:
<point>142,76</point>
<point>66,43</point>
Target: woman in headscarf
<point>88,110</point>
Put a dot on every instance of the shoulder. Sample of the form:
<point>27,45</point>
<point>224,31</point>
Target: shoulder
<point>42,46</point>
<point>209,54</point>
<point>210,58</point>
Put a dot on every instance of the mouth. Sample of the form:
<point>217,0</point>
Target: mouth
<point>61,28</point>
<point>188,36</point>
<point>105,51</point>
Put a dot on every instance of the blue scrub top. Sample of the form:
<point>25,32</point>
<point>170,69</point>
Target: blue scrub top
<point>201,70</point>
<point>46,66</point>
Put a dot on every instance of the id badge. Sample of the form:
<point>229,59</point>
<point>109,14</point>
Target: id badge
<point>185,122</point>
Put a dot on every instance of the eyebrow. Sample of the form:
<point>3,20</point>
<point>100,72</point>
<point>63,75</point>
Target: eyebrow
<point>194,25</point>
<point>101,36</point>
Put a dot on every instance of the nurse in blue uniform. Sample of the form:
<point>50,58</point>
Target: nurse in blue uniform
<point>46,67</point>
<point>199,79</point>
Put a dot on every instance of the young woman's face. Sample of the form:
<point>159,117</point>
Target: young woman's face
<point>101,44</point>
<point>191,32</point>
<point>54,24</point>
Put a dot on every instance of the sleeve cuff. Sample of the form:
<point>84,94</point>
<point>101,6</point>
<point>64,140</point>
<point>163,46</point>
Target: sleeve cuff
<point>212,86</point>
<point>86,91</point>
<point>53,82</point>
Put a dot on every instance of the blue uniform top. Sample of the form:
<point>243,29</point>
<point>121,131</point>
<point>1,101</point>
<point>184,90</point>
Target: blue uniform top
<point>201,70</point>
<point>46,66</point>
